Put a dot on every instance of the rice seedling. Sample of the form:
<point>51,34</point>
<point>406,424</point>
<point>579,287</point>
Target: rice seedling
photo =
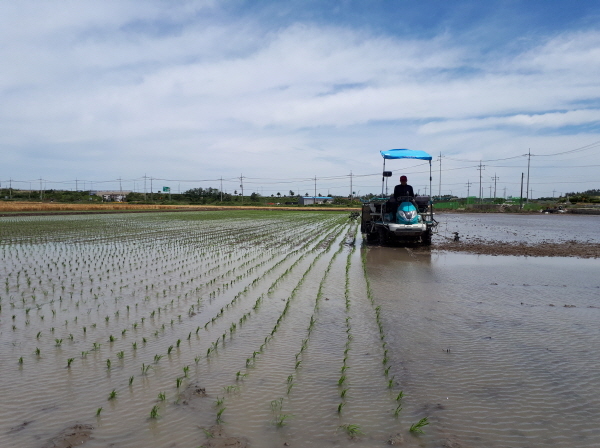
<point>108,363</point>
<point>112,395</point>
<point>21,360</point>
<point>179,381</point>
<point>340,407</point>
<point>418,427</point>
<point>69,362</point>
<point>84,354</point>
<point>131,380</point>
<point>169,350</point>
<point>220,415</point>
<point>58,342</point>
<point>400,396</point>
<point>343,393</point>
<point>162,396</point>
<point>98,411</point>
<point>352,430</point>
<point>219,401</point>
<point>157,358</point>
<point>121,354</point>
<point>154,412</point>
<point>37,351</point>
<point>341,380</point>
<point>391,383</point>
<point>397,410</point>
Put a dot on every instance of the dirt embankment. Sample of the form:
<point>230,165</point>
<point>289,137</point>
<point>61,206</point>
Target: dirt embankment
<point>54,208</point>
<point>545,249</point>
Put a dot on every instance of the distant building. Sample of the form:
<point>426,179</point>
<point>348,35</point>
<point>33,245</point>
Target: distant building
<point>312,200</point>
<point>112,196</point>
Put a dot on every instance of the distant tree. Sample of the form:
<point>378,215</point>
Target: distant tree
<point>235,192</point>
<point>254,197</point>
<point>291,193</point>
<point>278,194</point>
<point>305,194</point>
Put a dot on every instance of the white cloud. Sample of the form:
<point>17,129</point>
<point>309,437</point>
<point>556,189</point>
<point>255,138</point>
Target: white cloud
<point>124,79</point>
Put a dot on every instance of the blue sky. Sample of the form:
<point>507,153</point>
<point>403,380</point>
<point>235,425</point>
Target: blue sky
<point>281,92</point>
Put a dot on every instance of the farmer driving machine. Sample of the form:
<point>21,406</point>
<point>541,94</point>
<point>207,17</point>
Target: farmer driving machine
<point>402,219</point>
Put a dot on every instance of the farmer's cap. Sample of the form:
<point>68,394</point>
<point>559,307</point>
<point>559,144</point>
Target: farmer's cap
<point>403,179</point>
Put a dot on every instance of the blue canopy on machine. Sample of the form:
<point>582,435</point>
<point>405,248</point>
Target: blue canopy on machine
<point>405,154</point>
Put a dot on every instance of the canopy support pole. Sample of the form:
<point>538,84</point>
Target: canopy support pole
<point>383,177</point>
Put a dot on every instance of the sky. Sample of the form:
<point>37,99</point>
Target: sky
<point>279,96</point>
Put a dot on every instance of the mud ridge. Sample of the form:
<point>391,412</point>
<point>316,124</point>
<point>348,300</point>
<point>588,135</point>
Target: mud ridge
<point>545,249</point>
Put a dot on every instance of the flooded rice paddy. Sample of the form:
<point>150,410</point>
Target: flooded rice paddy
<point>271,329</point>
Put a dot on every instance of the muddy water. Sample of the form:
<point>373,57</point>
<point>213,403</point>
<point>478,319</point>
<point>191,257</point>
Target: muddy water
<point>268,321</point>
<point>496,351</point>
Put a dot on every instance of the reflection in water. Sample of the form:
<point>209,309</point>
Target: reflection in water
<point>497,351</point>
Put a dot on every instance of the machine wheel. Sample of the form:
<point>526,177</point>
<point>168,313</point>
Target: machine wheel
<point>372,237</point>
<point>426,238</point>
<point>383,236</point>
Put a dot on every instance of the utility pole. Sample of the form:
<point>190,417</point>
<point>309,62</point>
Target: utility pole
<point>528,164</point>
<point>495,178</point>
<point>121,188</point>
<point>490,190</point>
<point>242,186</point>
<point>504,192</point>
<point>553,191</point>
<point>10,188</point>
<point>468,190</point>
<point>521,197</point>
<point>315,196</point>
<point>41,194</point>
<point>221,188</point>
<point>76,189</point>
<point>440,185</point>
<point>151,191</point>
<point>145,186</point>
<point>351,195</point>
<point>481,167</point>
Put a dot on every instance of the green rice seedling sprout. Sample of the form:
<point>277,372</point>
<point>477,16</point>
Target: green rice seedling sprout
<point>343,393</point>
<point>112,395</point>
<point>391,382</point>
<point>37,351</point>
<point>197,359</point>
<point>39,335</point>
<point>179,381</point>
<point>219,401</point>
<point>340,407</point>
<point>21,360</point>
<point>157,358</point>
<point>134,345</point>
<point>281,418</point>
<point>131,380</point>
<point>169,350</point>
<point>352,430</point>
<point>186,370</point>
<point>58,342</point>
<point>162,396</point>
<point>418,427</point>
<point>178,342</point>
<point>69,362</point>
<point>154,412</point>
<point>220,415</point>
<point>397,410</point>
<point>342,380</point>
<point>108,363</point>
<point>98,411</point>
<point>400,396</point>
<point>121,354</point>
<point>298,363</point>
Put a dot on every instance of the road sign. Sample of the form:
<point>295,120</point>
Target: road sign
<point>166,189</point>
